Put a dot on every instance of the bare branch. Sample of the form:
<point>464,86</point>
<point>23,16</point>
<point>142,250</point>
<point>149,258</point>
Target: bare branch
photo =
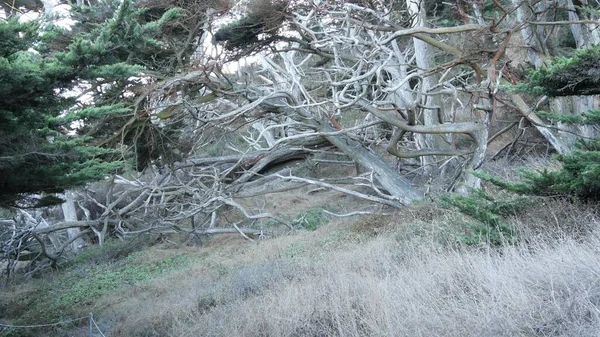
<point>383,201</point>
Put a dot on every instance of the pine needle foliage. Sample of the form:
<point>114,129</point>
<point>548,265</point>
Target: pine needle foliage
<point>579,176</point>
<point>578,74</point>
<point>50,142</point>
<point>487,213</point>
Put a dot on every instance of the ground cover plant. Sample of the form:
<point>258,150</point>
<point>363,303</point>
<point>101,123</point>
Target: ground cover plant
<point>373,276</point>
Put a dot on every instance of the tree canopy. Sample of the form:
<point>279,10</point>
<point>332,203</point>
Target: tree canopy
<point>579,175</point>
<point>63,102</point>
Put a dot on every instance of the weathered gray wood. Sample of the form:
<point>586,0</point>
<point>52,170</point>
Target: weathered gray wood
<point>390,179</point>
<point>70,214</point>
<point>246,231</point>
<point>395,184</point>
<point>270,158</point>
<point>552,137</point>
<point>70,224</point>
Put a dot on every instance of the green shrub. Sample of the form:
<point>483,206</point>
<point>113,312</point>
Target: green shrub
<point>579,176</point>
<point>567,76</point>
<point>80,286</point>
<point>311,220</point>
<point>487,212</point>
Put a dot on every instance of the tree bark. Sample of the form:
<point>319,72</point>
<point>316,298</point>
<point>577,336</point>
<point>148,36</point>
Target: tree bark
<point>390,179</point>
<point>70,214</point>
<point>430,105</point>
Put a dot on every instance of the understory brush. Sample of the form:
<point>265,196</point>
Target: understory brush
<point>388,284</point>
<point>387,288</point>
<point>407,274</point>
<point>69,294</point>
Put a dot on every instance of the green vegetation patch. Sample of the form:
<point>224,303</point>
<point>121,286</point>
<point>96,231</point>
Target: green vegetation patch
<point>486,213</point>
<point>87,283</point>
<point>81,285</point>
<point>311,219</point>
<point>566,76</point>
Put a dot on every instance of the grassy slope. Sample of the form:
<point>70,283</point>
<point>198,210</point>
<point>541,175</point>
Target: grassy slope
<point>403,275</point>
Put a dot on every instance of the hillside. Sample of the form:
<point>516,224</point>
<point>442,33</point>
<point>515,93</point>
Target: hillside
<point>402,274</point>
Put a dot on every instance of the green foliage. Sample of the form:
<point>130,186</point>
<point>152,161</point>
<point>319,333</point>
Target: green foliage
<point>487,212</point>
<point>89,113</point>
<point>50,142</point>
<point>84,282</point>
<point>588,118</point>
<point>311,220</point>
<point>88,283</point>
<point>579,175</point>
<point>566,76</point>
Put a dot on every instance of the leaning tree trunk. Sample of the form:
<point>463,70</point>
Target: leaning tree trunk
<point>396,185</point>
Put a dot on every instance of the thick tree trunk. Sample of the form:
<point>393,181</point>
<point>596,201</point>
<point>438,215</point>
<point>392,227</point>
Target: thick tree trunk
<point>431,106</point>
<point>70,214</point>
<point>554,138</point>
<point>528,32</point>
<point>584,34</point>
<point>390,179</point>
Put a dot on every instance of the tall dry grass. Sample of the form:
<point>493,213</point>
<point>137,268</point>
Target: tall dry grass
<point>378,287</point>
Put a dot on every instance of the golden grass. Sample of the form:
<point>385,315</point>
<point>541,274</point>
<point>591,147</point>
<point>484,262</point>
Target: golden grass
<point>341,280</point>
<point>399,275</point>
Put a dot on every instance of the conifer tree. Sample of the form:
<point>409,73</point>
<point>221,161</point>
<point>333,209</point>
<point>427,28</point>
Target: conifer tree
<point>49,140</point>
<point>579,175</point>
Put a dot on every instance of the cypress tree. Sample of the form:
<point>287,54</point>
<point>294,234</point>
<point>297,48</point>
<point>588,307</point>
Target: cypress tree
<point>49,140</point>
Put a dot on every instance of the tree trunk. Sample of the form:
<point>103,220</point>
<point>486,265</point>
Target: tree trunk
<point>560,141</point>
<point>390,179</point>
<point>70,214</point>
<point>430,105</point>
<point>531,43</point>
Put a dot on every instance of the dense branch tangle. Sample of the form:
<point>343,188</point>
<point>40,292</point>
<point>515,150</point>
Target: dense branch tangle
<point>184,202</point>
<point>360,64</point>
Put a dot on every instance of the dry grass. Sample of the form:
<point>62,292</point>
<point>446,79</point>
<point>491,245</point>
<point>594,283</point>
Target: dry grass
<point>337,281</point>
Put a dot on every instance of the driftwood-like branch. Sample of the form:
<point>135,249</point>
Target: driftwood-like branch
<point>71,224</point>
<point>390,202</point>
<point>253,216</point>
<point>355,213</point>
<point>245,231</point>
